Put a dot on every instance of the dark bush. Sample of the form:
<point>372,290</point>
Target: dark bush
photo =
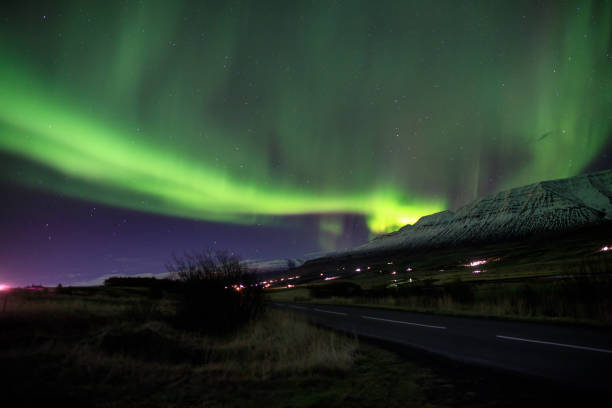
<point>216,294</point>
<point>132,281</point>
<point>61,290</point>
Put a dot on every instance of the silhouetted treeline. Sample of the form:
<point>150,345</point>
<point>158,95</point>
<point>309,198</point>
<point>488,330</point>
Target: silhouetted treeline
<point>138,282</point>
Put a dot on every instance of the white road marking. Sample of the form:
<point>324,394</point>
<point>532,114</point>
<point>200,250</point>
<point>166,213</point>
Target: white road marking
<point>550,343</point>
<point>402,322</point>
<point>329,311</point>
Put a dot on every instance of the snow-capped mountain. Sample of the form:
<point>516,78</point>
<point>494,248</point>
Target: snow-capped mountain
<point>547,206</point>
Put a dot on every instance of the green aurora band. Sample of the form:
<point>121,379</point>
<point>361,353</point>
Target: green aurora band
<point>87,149</point>
<point>244,112</point>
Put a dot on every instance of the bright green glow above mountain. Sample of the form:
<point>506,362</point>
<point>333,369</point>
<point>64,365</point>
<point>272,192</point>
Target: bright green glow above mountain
<point>168,182</point>
<point>242,112</point>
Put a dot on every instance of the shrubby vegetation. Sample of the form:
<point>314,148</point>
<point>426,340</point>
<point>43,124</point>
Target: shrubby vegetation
<point>117,347</point>
<point>216,293</point>
<point>129,281</point>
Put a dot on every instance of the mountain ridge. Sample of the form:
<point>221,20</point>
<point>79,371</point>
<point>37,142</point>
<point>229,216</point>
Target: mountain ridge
<point>545,206</point>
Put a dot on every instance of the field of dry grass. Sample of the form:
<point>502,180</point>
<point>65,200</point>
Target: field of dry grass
<point>116,347</point>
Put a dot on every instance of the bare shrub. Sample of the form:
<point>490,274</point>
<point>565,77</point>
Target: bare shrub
<point>217,293</point>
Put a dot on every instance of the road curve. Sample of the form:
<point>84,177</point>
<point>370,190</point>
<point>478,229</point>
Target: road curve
<point>576,356</point>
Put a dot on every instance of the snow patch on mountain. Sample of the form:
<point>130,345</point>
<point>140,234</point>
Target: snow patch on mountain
<point>547,206</point>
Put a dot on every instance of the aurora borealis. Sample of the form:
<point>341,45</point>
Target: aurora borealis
<point>254,113</point>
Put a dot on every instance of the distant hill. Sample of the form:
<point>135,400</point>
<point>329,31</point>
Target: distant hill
<point>544,207</point>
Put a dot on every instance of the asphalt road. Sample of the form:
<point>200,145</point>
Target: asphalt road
<point>574,356</point>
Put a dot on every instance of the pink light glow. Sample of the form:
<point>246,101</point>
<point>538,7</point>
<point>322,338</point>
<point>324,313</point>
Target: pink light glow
<point>476,263</point>
<point>332,277</point>
<point>4,287</point>
<point>606,249</point>
<point>358,270</point>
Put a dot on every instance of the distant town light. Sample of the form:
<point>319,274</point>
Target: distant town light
<point>4,287</point>
<point>479,262</point>
<point>606,249</point>
<point>358,270</point>
<point>482,261</point>
<point>332,277</point>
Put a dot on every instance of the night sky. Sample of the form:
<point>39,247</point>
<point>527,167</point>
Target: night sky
<point>131,130</point>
